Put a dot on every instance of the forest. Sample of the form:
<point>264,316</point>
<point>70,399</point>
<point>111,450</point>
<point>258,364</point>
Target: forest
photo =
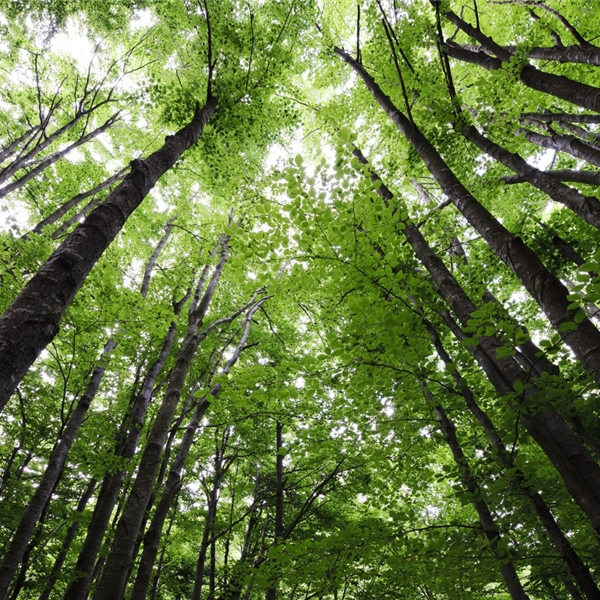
<point>300,299</point>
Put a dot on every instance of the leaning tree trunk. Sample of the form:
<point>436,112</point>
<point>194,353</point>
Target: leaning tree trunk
<point>562,87</point>
<point>114,577</point>
<point>578,569</point>
<point>63,209</point>
<point>33,319</point>
<point>487,521</point>
<point>52,578</point>
<point>580,472</point>
<point>563,143</point>
<point>18,545</point>
<point>175,477</point>
<point>50,160</point>
<point>587,207</point>
<point>544,287</point>
<point>589,55</point>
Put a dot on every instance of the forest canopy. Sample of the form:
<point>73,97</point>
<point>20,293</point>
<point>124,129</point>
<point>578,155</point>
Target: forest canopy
<point>299,299</point>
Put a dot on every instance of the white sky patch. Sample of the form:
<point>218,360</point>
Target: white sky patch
<point>142,19</point>
<point>542,161</point>
<point>72,43</point>
<point>300,383</point>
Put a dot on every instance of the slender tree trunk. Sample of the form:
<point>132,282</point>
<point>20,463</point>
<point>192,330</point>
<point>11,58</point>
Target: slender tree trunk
<point>563,143</point>
<point>78,217</point>
<point>52,578</point>
<point>209,520</point>
<point>544,287</point>
<point>271,593</point>
<point>587,207</point>
<point>486,519</point>
<point>114,577</point>
<point>26,527</point>
<point>125,447</point>
<point>587,177</point>
<point>550,117</point>
<point>112,483</point>
<point>49,160</point>
<point>564,54</point>
<point>175,477</point>
<point>580,572</point>
<point>32,320</point>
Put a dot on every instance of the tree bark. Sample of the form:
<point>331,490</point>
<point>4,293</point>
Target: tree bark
<point>67,206</point>
<point>564,54</point>
<point>32,320</point>
<point>488,524</point>
<point>175,477</point>
<point>52,158</point>
<point>563,143</point>
<point>580,472</point>
<point>556,85</point>
<point>112,483</point>
<point>587,177</point>
<point>52,578</point>
<point>587,207</point>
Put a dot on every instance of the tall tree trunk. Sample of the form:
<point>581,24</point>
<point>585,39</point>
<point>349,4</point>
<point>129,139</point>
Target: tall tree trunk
<point>587,207</point>
<point>52,578</point>
<point>52,158</point>
<point>564,54</point>
<point>487,521</point>
<point>112,483</point>
<point>125,447</point>
<point>114,577</point>
<point>580,472</point>
<point>556,85</point>
<point>563,143</point>
<point>175,477</point>
<point>63,209</point>
<point>587,177</point>
<point>271,593</point>
<point>18,545</point>
<point>544,287</point>
<point>580,572</point>
<point>32,320</point>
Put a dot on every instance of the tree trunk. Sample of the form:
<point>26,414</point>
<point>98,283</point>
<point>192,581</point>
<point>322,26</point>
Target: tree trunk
<point>580,572</point>
<point>486,519</point>
<point>580,472</point>
<point>555,85</point>
<point>564,143</point>
<point>18,545</point>
<point>32,320</point>
<point>587,207</point>
<point>544,287</point>
<point>67,206</point>
<point>587,177</point>
<point>589,55</point>
<point>112,483</point>
<point>52,158</point>
<point>52,578</point>
<point>175,477</point>
<point>114,577</point>
<point>271,593</point>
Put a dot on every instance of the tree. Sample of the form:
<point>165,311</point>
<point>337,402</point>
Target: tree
<point>348,310</point>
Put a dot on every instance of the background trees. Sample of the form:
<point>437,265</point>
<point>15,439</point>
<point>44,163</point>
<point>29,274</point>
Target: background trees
<point>337,351</point>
